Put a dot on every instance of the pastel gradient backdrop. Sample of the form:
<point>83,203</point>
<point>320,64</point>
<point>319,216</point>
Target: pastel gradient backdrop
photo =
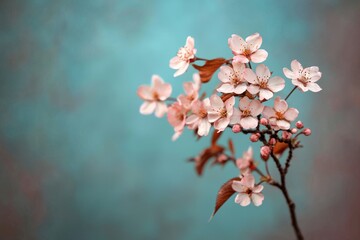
<point>78,161</point>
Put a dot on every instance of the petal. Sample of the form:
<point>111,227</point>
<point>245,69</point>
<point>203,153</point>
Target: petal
<point>221,124</point>
<point>240,88</point>
<point>253,89</point>
<point>192,119</point>
<point>250,76</point>
<point>259,56</point>
<point>254,42</point>
<point>291,114</point>
<point>235,118</point>
<point>182,69</point>
<point>164,91</point>
<point>268,112</point>
<point>156,81</point>
<point>238,69</point>
<point>216,102</point>
<point>276,84</point>
<point>236,44</point>
<point>280,105</point>
<point>176,135</point>
<point>238,187</point>
<point>296,66</point>
<point>258,189</point>
<point>161,109</point>
<point>265,94</point>
<point>249,122</point>
<point>314,87</point>
<point>147,107</point>
<point>190,42</point>
<point>299,85</point>
<point>248,181</point>
<point>230,104</point>
<point>283,124</point>
<point>244,103</point>
<point>243,199</point>
<point>145,92</point>
<point>257,198</point>
<point>213,116</point>
<point>226,88</point>
<point>225,73</point>
<point>204,127</point>
<point>315,77</point>
<point>176,63</point>
<point>256,108</point>
<point>262,71</point>
<point>289,74</point>
<point>240,59</point>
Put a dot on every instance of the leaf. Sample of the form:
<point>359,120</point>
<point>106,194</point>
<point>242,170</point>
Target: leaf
<point>209,68</point>
<point>231,147</point>
<point>279,148</point>
<point>224,193</point>
<point>205,156</point>
<point>215,137</point>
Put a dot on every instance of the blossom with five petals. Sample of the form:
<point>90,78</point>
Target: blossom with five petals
<point>232,79</point>
<point>246,164</point>
<point>305,79</point>
<point>184,56</point>
<point>219,112</point>
<point>199,117</point>
<point>262,83</point>
<point>281,115</point>
<point>191,92</point>
<point>247,115</point>
<point>154,96</point>
<point>176,117</point>
<point>247,191</point>
<point>247,50</point>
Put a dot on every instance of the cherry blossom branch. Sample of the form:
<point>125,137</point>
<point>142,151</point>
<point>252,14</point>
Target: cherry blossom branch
<point>290,92</point>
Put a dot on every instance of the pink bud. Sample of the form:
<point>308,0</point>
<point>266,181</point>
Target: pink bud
<point>264,121</point>
<point>299,125</point>
<point>236,128</point>
<point>265,152</point>
<point>294,130</point>
<point>254,137</point>
<point>307,131</point>
<point>286,135</point>
<point>272,141</point>
<point>258,134</point>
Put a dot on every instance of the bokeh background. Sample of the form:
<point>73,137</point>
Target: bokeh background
<point>78,161</point>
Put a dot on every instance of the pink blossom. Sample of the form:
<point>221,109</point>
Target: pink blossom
<point>246,163</point>
<point>154,96</point>
<point>262,83</point>
<point>247,191</point>
<point>232,79</point>
<point>176,117</point>
<point>247,50</point>
<point>264,121</point>
<point>199,117</point>
<point>287,135</point>
<point>280,116</point>
<point>307,131</point>
<point>183,58</point>
<point>236,128</point>
<point>299,124</point>
<point>305,79</point>
<point>191,92</point>
<point>254,137</point>
<point>246,116</point>
<point>265,152</point>
<point>219,112</point>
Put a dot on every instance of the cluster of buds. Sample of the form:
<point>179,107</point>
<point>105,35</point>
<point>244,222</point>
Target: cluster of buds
<point>239,103</point>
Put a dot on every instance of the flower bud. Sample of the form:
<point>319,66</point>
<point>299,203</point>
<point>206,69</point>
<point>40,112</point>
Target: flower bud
<point>254,137</point>
<point>286,135</point>
<point>299,125</point>
<point>236,128</point>
<point>265,152</point>
<point>272,141</point>
<point>307,131</point>
<point>264,121</point>
<point>294,130</point>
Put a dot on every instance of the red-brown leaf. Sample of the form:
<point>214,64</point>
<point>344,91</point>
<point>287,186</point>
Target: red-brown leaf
<point>280,147</point>
<point>209,68</point>
<point>231,147</point>
<point>215,137</point>
<point>224,193</point>
<point>205,156</point>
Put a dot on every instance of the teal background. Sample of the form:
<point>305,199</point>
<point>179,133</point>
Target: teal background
<point>78,161</point>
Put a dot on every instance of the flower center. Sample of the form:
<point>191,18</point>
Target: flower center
<point>247,52</point>
<point>202,113</point>
<point>184,53</point>
<point>246,113</point>
<point>279,115</point>
<point>235,80</point>
<point>155,96</point>
<point>223,113</point>
<point>248,191</point>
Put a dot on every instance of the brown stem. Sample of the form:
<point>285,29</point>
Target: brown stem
<point>290,93</point>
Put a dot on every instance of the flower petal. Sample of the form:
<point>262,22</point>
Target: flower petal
<point>258,189</point>
<point>145,92</point>
<point>221,124</point>
<point>238,187</point>
<point>268,112</point>
<point>236,44</point>
<point>296,66</point>
<point>256,108</point>
<point>235,118</point>
<point>257,198</point>
<point>240,88</point>
<point>176,63</point>
<point>182,69</point>
<point>262,71</point>
<point>291,114</point>
<point>253,89</point>
<point>243,199</point>
<point>254,42</point>
<point>216,102</point>
<point>314,87</point>
<point>225,73</point>
<point>240,59</point>
<point>282,124</point>
<point>161,109</point>
<point>289,74</point>
<point>280,105</point>
<point>147,107</point>
<point>276,84</point>
<point>265,94</point>
<point>204,127</point>
<point>248,181</point>
<point>244,103</point>
<point>226,88</point>
<point>193,118</point>
<point>249,122</point>
<point>259,56</point>
<point>250,76</point>
<point>190,42</point>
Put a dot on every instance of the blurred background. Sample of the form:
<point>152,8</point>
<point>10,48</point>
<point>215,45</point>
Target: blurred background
<point>78,161</point>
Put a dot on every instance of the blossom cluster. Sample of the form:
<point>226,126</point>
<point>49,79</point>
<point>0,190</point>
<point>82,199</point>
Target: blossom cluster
<point>239,103</point>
